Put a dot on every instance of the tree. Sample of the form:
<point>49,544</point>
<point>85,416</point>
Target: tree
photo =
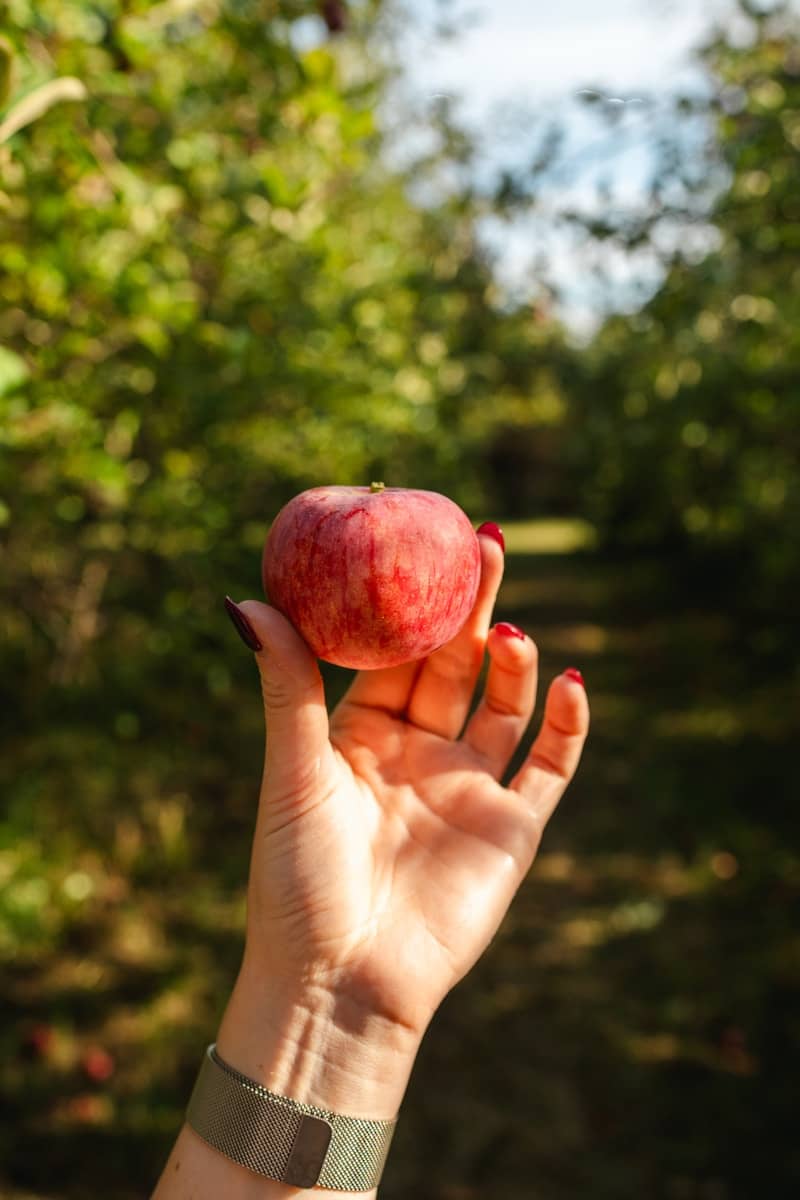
<point>687,423</point>
<point>214,293</point>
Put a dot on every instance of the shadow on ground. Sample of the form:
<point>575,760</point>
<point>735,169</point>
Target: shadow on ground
<point>632,1031</point>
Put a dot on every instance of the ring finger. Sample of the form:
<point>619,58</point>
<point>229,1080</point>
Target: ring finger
<point>496,727</point>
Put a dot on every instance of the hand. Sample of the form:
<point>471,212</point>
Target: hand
<point>386,849</point>
<point>386,853</point>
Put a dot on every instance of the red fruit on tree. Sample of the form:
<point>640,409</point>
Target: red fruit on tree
<point>98,1064</point>
<point>372,576</point>
<point>40,1040</point>
<point>86,1109</point>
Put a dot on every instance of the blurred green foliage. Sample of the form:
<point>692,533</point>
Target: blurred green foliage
<point>215,292</point>
<point>688,424</point>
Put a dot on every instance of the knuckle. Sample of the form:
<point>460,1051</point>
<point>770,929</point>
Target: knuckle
<point>551,763</point>
<point>499,706</point>
<point>278,697</point>
<point>296,796</point>
<point>453,666</point>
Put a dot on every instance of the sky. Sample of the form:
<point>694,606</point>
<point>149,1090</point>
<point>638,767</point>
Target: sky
<point>537,55</point>
<point>542,49</point>
<point>512,65</point>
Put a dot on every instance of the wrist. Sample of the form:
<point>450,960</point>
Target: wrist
<point>317,1044</point>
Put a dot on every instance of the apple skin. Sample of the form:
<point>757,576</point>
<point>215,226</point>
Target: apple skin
<point>372,578</point>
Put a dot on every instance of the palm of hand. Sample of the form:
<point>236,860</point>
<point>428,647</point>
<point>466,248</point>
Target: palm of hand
<point>448,848</point>
<point>402,850</point>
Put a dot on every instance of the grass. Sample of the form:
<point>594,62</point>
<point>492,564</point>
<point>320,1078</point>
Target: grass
<point>554,535</point>
<point>632,1030</point>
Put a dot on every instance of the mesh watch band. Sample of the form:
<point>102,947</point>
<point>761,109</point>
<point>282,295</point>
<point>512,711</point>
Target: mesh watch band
<point>298,1144</point>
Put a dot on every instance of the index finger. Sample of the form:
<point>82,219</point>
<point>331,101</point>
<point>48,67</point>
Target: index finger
<point>387,688</point>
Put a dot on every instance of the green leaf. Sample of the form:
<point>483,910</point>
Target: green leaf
<point>40,101</point>
<point>6,69</point>
<point>13,371</point>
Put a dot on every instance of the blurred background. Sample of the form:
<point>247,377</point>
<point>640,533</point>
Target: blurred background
<point>546,262</point>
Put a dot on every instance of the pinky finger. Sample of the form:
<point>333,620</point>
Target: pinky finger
<point>553,760</point>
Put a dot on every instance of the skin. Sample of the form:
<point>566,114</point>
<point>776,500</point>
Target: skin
<point>386,853</point>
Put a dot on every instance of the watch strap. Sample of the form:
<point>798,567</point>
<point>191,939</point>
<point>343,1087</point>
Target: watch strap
<point>298,1144</point>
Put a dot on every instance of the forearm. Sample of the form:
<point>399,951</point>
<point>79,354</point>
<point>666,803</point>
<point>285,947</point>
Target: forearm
<point>310,1044</point>
<point>195,1170</point>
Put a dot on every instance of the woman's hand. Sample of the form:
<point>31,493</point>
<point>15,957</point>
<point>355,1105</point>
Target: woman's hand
<point>386,853</point>
<point>386,849</point>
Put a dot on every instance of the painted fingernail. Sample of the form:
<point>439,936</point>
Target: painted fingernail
<point>574,673</point>
<point>506,629</point>
<point>242,625</point>
<point>489,529</point>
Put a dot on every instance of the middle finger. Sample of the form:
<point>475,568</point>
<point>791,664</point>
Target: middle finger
<point>443,689</point>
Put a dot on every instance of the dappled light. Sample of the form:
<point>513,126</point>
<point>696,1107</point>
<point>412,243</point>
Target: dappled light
<point>215,292</point>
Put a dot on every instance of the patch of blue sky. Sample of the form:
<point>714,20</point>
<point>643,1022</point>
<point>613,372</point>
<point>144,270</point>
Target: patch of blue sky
<point>509,68</point>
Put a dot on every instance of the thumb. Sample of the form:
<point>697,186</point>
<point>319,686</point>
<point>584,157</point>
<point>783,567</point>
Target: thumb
<point>293,693</point>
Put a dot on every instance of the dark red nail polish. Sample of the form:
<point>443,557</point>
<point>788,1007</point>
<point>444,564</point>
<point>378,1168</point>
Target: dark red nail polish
<point>489,529</point>
<point>506,629</point>
<point>242,625</point>
<point>574,673</point>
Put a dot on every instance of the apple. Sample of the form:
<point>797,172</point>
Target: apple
<point>41,1040</point>
<point>98,1064</point>
<point>372,576</point>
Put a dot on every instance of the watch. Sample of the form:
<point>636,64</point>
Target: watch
<point>298,1144</point>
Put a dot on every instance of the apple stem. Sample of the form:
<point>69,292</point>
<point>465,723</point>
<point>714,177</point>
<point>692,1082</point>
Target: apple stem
<point>377,487</point>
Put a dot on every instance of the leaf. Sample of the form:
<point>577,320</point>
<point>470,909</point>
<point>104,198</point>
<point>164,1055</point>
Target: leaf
<point>6,68</point>
<point>38,102</point>
<point>13,371</point>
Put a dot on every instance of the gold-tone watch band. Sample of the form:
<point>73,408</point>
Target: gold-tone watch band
<point>298,1144</point>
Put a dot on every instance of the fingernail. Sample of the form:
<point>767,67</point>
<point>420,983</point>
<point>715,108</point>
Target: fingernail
<point>489,529</point>
<point>506,629</point>
<point>574,673</point>
<point>242,625</point>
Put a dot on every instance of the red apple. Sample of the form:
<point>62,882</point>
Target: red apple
<point>372,576</point>
<point>98,1064</point>
<point>41,1040</point>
